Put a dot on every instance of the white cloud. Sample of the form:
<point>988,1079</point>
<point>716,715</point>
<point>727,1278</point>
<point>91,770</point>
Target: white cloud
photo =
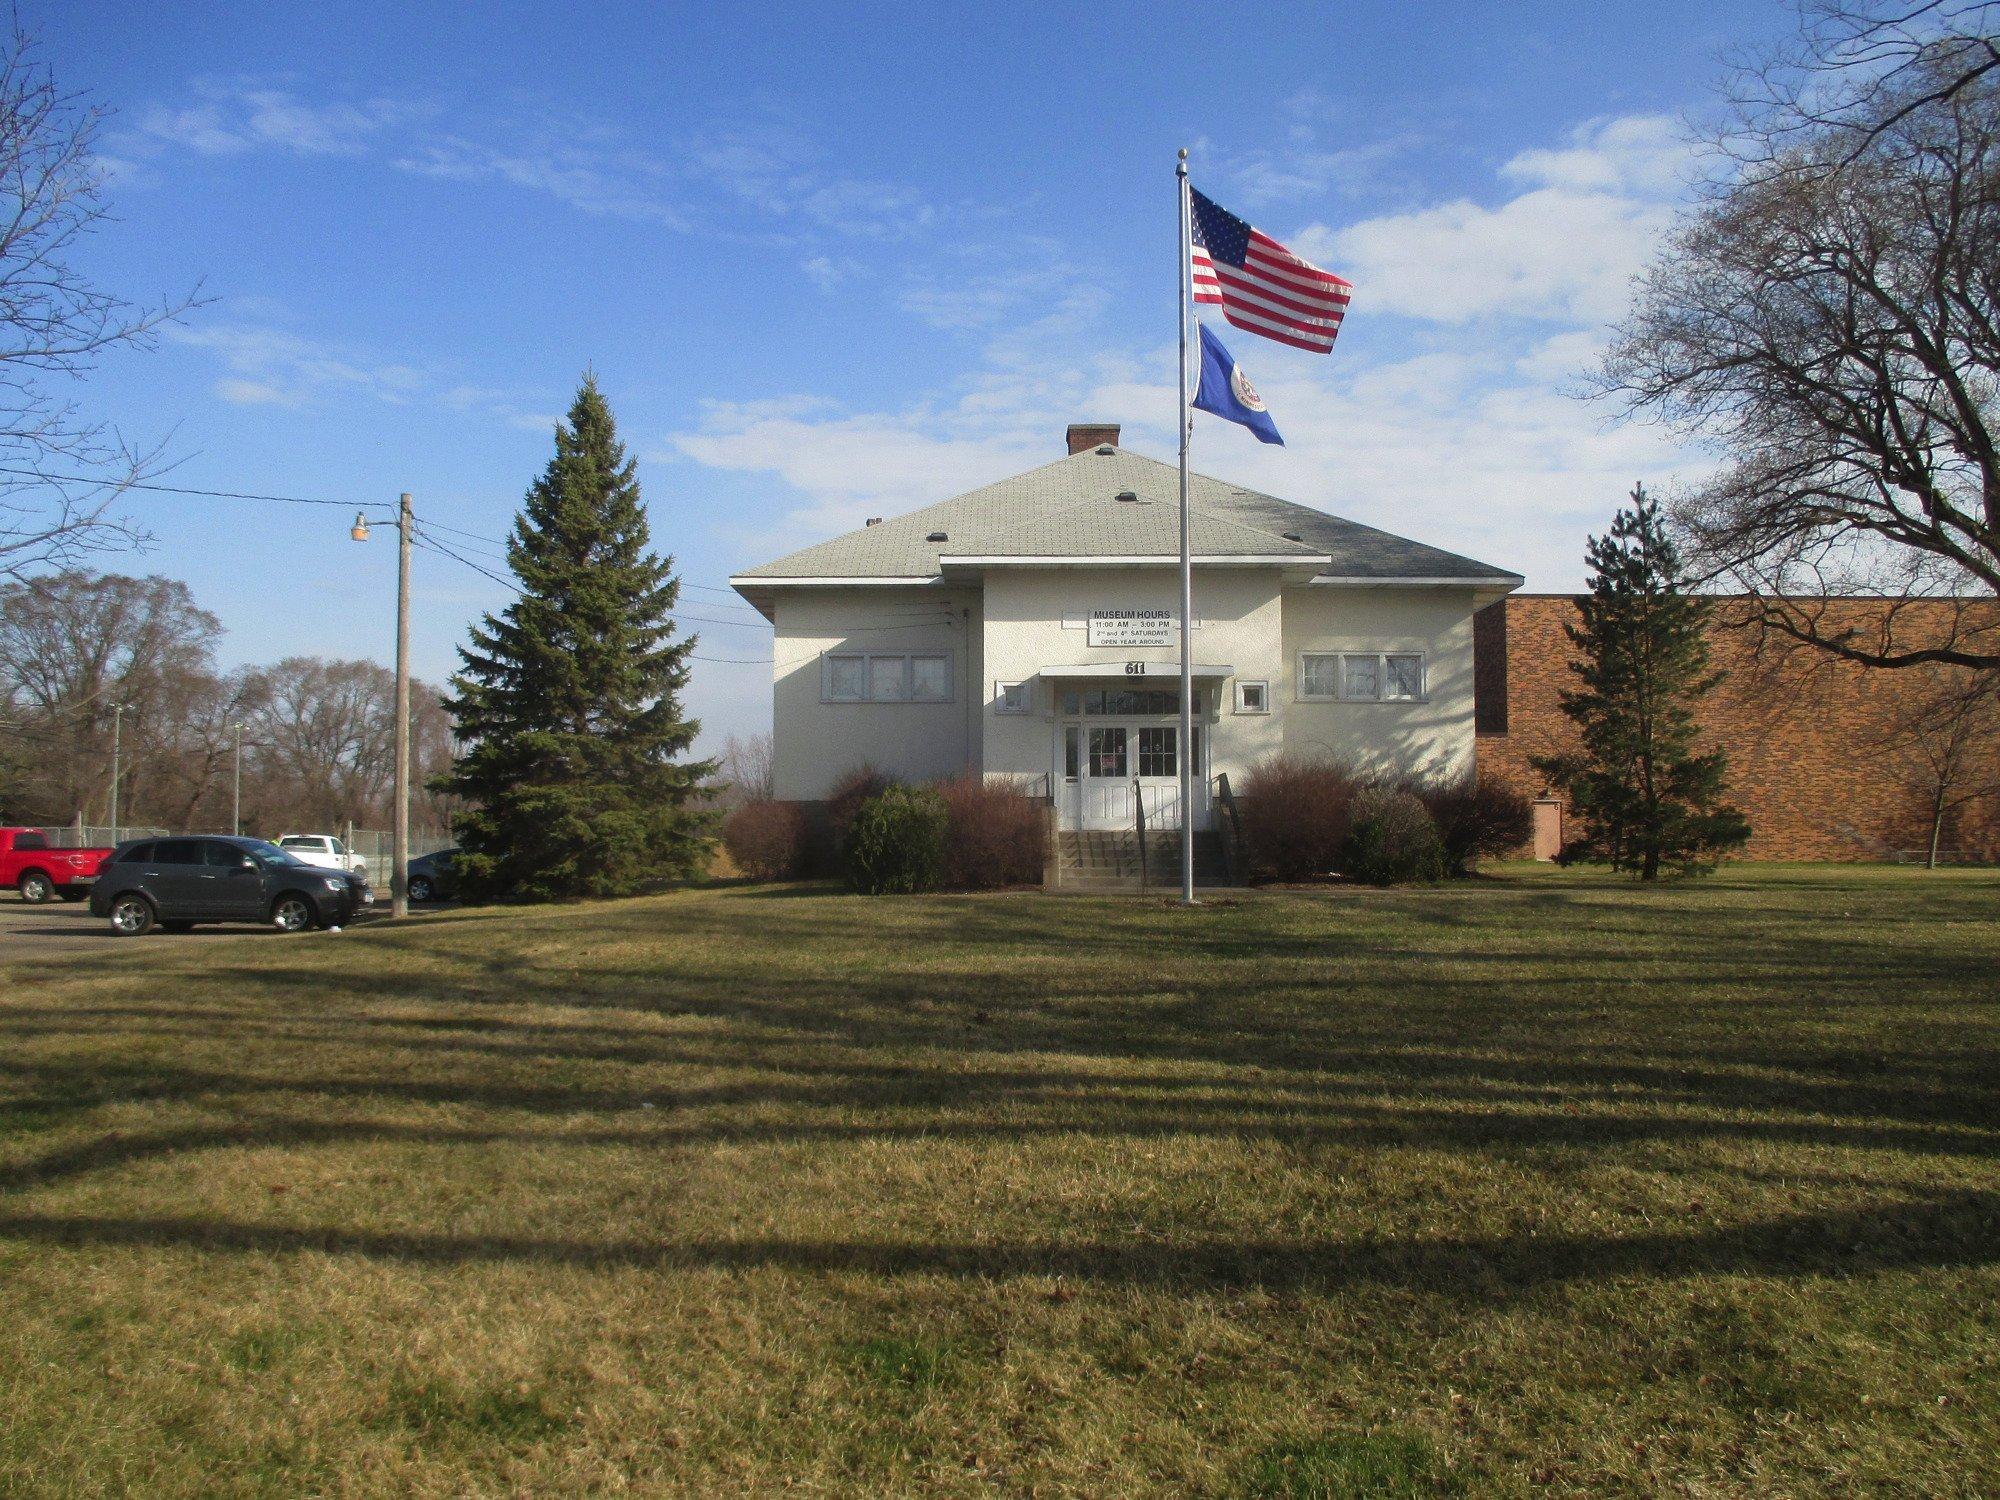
<point>1465,435</point>
<point>827,272</point>
<point>609,184</point>
<point>271,365</point>
<point>1565,248</point>
<point>238,392</point>
<point>1647,155</point>
<point>233,118</point>
<point>1039,285</point>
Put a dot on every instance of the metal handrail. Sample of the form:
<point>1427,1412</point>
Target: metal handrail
<point>1139,802</point>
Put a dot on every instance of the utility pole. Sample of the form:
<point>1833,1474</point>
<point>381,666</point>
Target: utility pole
<point>236,792</point>
<point>117,744</point>
<point>399,896</point>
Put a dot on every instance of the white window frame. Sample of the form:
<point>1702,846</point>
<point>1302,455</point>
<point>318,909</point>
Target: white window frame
<point>1262,686</point>
<point>910,694</point>
<point>826,693</point>
<point>1382,694</point>
<point>906,676</point>
<point>1025,706</point>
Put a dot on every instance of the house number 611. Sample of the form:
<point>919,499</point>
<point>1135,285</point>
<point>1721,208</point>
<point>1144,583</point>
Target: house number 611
<point>1135,669</point>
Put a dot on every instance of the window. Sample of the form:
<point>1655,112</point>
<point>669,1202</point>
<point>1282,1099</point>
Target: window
<point>1156,752</point>
<point>1013,697</point>
<point>1253,697</point>
<point>177,852</point>
<point>1403,677</point>
<point>930,679</point>
<point>1133,702</point>
<point>886,678</point>
<point>30,841</point>
<point>1362,676</point>
<point>1319,677</point>
<point>847,678</point>
<point>302,841</point>
<point>1107,751</point>
<point>137,854</point>
<point>919,678</point>
<point>1072,751</point>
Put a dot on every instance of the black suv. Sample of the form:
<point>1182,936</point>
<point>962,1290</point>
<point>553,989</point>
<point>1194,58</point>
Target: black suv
<point>176,883</point>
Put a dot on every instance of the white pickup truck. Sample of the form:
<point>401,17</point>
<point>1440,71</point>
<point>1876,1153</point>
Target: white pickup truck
<point>323,849</point>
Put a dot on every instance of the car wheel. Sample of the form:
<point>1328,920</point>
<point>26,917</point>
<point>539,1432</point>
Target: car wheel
<point>291,914</point>
<point>420,888</point>
<point>131,916</point>
<point>177,927</point>
<point>37,888</point>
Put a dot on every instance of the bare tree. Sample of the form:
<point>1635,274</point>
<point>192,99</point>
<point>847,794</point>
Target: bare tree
<point>1828,320</point>
<point>747,771</point>
<point>73,647</point>
<point>1944,747</point>
<point>1855,70</point>
<point>61,475</point>
<point>326,730</point>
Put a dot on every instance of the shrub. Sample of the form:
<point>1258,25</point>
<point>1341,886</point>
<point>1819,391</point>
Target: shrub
<point>994,835</point>
<point>1296,814</point>
<point>1477,817</point>
<point>825,849</point>
<point>895,844</point>
<point>766,839</point>
<point>1394,841</point>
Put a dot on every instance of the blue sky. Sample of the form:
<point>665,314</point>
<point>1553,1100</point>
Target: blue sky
<point>832,262</point>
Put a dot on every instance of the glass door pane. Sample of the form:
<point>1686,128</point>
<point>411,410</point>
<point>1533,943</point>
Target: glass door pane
<point>1107,751</point>
<point>1156,751</point>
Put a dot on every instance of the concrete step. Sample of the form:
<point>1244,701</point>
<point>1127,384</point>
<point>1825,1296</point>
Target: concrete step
<point>1106,860</point>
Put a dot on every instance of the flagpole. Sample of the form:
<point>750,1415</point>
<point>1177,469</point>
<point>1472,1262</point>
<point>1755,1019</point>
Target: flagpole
<point>1181,291</point>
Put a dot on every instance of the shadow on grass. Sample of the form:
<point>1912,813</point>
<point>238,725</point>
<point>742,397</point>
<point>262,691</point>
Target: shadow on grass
<point>1941,1230</point>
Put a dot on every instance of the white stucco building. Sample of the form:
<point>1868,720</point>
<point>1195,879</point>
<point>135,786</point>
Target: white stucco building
<point>1030,630</point>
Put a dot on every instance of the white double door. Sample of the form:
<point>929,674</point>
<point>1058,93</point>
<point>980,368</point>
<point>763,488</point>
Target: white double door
<point>1109,768</point>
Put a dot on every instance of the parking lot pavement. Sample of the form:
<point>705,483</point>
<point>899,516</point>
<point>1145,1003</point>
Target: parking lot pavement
<point>64,929</point>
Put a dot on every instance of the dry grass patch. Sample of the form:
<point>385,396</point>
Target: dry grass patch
<point>1528,1185</point>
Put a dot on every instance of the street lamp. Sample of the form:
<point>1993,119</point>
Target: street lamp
<point>236,792</point>
<point>118,712</point>
<point>399,901</point>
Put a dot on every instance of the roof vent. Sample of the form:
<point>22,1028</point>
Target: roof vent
<point>1127,496</point>
<point>874,520</point>
<point>937,536</point>
<point>1105,450</point>
<point>1292,536</point>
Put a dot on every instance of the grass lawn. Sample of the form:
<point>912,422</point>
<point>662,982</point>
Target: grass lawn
<point>1533,1185</point>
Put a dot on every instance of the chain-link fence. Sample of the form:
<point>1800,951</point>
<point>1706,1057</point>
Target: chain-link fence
<point>88,836</point>
<point>377,846</point>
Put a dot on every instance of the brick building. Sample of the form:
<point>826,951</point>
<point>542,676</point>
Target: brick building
<point>1818,754</point>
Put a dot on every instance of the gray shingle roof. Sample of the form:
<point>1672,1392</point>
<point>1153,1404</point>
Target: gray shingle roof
<point>1070,508</point>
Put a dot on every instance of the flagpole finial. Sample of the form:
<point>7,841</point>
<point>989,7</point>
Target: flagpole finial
<point>1183,153</point>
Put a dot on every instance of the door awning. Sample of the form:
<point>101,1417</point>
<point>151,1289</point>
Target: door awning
<point>1128,669</point>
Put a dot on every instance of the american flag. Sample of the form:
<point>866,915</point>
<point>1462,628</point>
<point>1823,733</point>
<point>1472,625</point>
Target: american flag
<point>1261,286</point>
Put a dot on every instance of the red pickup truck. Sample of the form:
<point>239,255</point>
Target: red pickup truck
<point>40,872</point>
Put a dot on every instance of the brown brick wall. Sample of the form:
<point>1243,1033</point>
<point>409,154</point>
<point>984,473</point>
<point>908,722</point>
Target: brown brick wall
<point>1805,735</point>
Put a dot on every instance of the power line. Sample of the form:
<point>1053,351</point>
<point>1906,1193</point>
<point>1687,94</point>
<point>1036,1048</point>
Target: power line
<point>733,661</point>
<point>168,489</point>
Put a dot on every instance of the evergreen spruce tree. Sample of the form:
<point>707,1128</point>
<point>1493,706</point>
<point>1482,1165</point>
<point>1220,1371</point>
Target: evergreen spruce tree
<point>569,698</point>
<point>1649,802</point>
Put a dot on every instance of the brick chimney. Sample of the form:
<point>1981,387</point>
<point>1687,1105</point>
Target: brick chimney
<point>1083,436</point>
